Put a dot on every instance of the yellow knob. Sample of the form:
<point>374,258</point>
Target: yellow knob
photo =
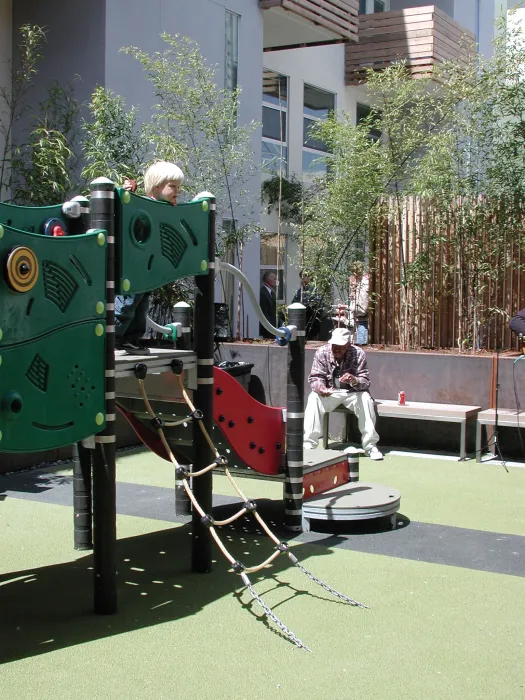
<point>99,329</point>
<point>99,418</point>
<point>100,307</point>
<point>126,285</point>
<point>101,239</point>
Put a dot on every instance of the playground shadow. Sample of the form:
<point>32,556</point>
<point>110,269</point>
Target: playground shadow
<point>273,513</point>
<point>34,481</point>
<point>49,608</point>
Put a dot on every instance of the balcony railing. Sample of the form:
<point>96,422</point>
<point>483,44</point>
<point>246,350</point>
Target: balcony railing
<point>421,36</point>
<point>295,22</point>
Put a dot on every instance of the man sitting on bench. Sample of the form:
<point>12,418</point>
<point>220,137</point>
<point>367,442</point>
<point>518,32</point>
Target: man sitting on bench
<point>340,376</point>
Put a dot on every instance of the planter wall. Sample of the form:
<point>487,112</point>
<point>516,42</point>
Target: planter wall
<point>434,377</point>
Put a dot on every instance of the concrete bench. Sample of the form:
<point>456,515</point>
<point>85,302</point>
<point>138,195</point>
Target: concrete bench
<point>507,417</point>
<point>417,410</point>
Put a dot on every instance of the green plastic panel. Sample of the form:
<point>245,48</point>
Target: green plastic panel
<point>30,219</point>
<point>159,243</point>
<point>52,389</point>
<point>71,284</point>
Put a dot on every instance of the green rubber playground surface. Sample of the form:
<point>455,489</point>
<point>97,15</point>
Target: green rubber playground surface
<point>443,629</point>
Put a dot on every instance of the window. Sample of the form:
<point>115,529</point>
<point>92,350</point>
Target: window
<point>318,105</point>
<point>377,5</point>
<point>274,122</point>
<point>362,113</point>
<point>272,258</point>
<point>231,51</point>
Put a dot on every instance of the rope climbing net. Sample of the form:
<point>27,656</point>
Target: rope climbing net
<point>184,474</point>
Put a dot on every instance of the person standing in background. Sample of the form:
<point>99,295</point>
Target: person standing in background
<point>358,304</point>
<point>313,301</point>
<point>268,302</point>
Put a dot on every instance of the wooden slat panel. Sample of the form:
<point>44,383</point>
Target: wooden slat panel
<point>440,298</point>
<point>422,36</point>
<point>338,16</point>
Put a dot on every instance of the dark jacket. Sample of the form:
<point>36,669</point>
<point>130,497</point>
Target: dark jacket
<point>313,301</point>
<point>517,323</point>
<point>268,305</point>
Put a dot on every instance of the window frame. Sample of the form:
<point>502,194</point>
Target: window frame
<point>374,134</point>
<point>309,173</point>
<point>231,78</point>
<point>278,269</point>
<point>281,144</point>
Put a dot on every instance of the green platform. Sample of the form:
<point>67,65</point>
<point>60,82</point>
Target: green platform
<point>159,243</point>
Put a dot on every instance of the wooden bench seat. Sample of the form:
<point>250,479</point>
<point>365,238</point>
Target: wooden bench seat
<point>507,417</point>
<point>417,410</point>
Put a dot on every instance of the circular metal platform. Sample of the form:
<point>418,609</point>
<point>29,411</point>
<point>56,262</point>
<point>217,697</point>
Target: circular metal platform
<point>354,501</point>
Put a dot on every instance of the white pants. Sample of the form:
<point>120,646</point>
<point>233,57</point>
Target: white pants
<point>360,402</point>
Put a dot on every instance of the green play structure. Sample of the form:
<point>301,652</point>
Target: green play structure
<point>53,307</point>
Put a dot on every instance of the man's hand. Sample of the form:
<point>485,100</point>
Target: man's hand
<point>348,378</point>
<point>324,391</point>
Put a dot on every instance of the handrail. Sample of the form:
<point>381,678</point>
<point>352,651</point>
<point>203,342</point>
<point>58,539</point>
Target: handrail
<point>278,332</point>
<point>172,329</point>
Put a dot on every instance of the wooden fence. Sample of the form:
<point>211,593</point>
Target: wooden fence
<point>449,281</point>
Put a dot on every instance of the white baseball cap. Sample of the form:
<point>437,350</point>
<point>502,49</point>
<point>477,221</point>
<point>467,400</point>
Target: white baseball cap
<point>340,336</point>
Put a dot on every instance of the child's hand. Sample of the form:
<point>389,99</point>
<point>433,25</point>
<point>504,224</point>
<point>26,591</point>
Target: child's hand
<point>130,185</point>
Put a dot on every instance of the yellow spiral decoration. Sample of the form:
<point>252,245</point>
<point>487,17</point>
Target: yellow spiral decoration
<point>22,269</point>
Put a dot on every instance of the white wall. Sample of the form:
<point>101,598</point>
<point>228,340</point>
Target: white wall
<point>324,68</point>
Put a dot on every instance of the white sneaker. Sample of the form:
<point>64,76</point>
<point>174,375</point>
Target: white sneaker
<point>353,450</point>
<point>374,454</point>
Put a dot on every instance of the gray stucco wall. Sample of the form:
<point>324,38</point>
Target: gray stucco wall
<point>75,42</point>
<point>103,27</point>
<point>140,24</point>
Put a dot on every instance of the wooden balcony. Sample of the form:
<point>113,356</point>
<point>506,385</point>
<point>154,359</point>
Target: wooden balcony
<point>293,23</point>
<point>422,36</point>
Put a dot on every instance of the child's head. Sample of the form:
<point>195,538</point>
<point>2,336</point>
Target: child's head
<point>162,180</point>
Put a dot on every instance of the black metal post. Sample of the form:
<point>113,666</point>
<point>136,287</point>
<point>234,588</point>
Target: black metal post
<point>353,468</point>
<point>293,484</point>
<point>82,514</point>
<point>203,399</point>
<point>182,315</point>
<point>104,470</point>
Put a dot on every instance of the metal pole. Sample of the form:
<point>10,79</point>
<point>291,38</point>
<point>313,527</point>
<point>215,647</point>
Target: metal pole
<point>203,400</point>
<point>293,484</point>
<point>182,315</point>
<point>82,514</point>
<point>104,471</point>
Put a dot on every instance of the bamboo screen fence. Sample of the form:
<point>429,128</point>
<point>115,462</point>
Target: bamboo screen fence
<point>446,281</point>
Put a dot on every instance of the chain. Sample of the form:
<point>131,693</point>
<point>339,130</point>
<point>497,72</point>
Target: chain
<point>273,617</point>
<point>326,587</point>
<point>282,547</point>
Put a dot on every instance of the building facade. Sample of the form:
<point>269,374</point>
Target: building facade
<point>290,57</point>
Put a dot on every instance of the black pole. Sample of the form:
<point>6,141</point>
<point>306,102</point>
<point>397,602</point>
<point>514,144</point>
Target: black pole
<point>182,315</point>
<point>293,484</point>
<point>82,515</point>
<point>203,399</point>
<point>104,471</point>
